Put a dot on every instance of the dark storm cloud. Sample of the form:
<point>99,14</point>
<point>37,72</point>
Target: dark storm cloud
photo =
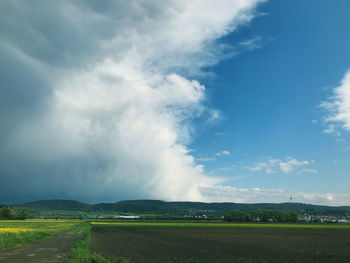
<point>90,107</point>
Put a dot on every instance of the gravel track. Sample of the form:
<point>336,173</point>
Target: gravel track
<point>51,250</point>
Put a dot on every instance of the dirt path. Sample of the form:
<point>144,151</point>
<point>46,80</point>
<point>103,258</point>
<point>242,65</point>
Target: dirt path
<point>54,249</point>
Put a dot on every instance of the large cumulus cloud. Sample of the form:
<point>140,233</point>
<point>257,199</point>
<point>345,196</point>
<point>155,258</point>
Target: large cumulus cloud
<point>339,107</point>
<point>97,97</point>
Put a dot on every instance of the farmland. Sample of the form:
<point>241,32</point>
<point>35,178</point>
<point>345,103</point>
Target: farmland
<point>169,241</point>
<point>13,233</point>
<point>18,232</point>
<point>220,225</point>
<point>208,243</point>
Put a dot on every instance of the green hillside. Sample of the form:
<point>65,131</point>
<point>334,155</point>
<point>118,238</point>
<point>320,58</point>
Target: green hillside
<point>138,206</point>
<point>56,204</point>
<point>179,208</point>
<point>296,207</point>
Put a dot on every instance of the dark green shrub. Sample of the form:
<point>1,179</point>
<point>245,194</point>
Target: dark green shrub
<point>7,213</point>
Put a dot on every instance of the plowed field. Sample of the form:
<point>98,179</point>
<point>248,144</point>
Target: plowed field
<point>226,245</point>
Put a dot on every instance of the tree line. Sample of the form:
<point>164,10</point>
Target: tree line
<point>7,213</point>
<point>260,216</point>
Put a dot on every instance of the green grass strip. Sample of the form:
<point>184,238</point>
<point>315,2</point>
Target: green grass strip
<point>81,250</point>
<point>9,240</point>
<point>224,225</point>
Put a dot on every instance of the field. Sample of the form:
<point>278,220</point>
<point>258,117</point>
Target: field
<point>181,242</point>
<point>210,242</point>
<point>221,225</point>
<point>17,232</point>
<point>14,232</point>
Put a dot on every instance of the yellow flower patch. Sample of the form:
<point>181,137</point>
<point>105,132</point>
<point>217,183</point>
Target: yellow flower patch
<point>15,230</point>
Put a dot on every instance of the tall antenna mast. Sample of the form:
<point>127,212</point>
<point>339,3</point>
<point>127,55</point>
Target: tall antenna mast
<point>291,199</point>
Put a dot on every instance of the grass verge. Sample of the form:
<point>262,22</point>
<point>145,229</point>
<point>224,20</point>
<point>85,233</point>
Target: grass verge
<point>223,225</point>
<point>14,232</point>
<point>8,240</point>
<point>81,250</point>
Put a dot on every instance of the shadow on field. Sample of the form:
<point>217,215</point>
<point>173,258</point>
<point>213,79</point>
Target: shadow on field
<point>224,245</point>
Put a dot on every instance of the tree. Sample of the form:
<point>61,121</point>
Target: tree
<point>267,216</point>
<point>228,216</point>
<point>22,214</point>
<point>293,217</point>
<point>255,216</point>
<point>240,216</point>
<point>261,216</point>
<point>7,213</point>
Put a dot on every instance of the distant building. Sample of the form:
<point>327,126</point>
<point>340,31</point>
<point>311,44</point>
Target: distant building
<point>323,219</point>
<point>304,218</point>
<point>127,217</point>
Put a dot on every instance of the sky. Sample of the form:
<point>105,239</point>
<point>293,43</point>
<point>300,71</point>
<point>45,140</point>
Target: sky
<point>226,101</point>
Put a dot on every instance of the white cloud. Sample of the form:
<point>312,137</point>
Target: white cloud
<point>214,116</point>
<point>332,129</point>
<point>252,43</point>
<point>290,164</point>
<point>258,195</point>
<point>220,133</point>
<point>119,96</point>
<point>206,159</point>
<point>277,165</point>
<point>338,107</point>
<point>307,170</point>
<point>223,153</point>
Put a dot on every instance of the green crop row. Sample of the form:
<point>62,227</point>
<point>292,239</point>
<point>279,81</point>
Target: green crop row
<point>17,232</point>
<point>222,225</point>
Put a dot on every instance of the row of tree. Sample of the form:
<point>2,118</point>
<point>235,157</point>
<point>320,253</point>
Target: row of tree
<point>6,213</point>
<point>261,216</point>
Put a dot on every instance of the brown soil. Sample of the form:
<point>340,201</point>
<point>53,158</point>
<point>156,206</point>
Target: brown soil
<point>151,245</point>
<point>51,250</point>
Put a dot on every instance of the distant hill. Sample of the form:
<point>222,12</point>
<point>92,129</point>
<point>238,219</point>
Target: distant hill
<point>56,204</point>
<point>296,207</point>
<point>162,207</point>
<point>138,206</point>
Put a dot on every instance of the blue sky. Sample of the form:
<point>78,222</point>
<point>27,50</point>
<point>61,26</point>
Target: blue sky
<point>269,98</point>
<point>239,101</point>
